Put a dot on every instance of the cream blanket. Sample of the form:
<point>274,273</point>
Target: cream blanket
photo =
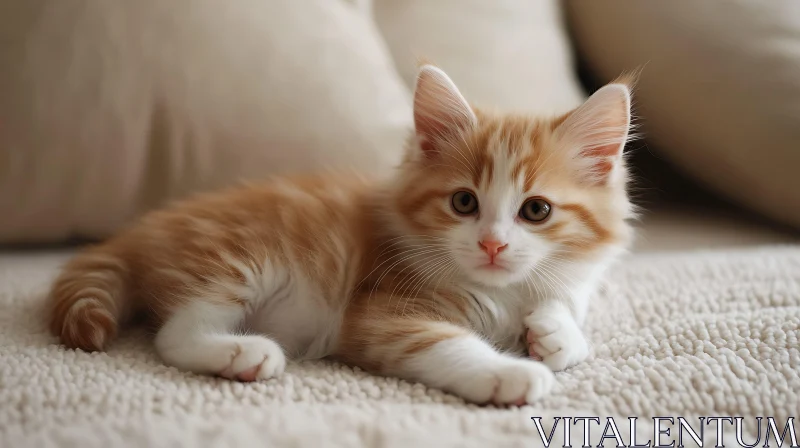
<point>711,333</point>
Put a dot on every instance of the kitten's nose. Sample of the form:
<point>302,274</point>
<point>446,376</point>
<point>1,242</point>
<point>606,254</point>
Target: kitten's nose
<point>492,247</point>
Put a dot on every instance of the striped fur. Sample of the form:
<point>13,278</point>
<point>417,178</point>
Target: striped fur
<point>385,275</point>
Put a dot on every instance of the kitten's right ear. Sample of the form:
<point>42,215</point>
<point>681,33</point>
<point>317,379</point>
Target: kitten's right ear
<point>439,108</point>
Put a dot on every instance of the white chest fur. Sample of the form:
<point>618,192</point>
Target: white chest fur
<point>498,314</point>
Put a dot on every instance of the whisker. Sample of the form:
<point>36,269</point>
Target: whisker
<point>416,272</point>
<point>417,288</point>
<point>405,250</point>
<point>416,253</point>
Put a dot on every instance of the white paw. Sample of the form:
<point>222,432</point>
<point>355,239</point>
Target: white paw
<point>511,381</point>
<point>254,358</point>
<point>555,339</point>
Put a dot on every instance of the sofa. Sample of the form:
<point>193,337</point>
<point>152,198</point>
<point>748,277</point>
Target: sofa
<point>110,109</point>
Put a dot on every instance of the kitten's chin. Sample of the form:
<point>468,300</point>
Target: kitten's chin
<point>495,276</point>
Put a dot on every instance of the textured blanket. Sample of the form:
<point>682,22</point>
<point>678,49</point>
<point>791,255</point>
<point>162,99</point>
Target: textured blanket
<point>712,333</point>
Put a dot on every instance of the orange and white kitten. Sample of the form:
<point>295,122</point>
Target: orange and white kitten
<point>486,245</point>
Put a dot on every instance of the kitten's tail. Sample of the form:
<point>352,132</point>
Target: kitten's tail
<point>88,300</point>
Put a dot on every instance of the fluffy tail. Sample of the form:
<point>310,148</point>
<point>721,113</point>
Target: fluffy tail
<point>89,299</point>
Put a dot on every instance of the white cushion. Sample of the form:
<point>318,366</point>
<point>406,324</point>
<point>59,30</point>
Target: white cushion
<point>719,93</point>
<point>110,108</point>
<point>510,54</point>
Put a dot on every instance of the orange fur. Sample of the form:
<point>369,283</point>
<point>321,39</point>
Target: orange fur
<point>172,252</point>
<point>374,250</point>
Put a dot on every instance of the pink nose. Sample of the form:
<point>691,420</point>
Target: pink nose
<point>492,247</point>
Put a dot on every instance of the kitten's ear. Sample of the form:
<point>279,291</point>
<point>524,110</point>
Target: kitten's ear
<point>597,132</point>
<point>439,108</point>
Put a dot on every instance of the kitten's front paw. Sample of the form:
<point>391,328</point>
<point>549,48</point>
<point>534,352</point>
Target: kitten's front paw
<point>556,340</point>
<point>514,382</point>
<point>254,358</point>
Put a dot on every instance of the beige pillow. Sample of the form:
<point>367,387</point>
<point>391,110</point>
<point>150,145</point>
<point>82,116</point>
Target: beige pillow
<point>720,91</point>
<point>109,108</point>
<point>511,54</point>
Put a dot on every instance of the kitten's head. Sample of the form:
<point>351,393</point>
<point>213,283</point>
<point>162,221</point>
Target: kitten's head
<point>500,196</point>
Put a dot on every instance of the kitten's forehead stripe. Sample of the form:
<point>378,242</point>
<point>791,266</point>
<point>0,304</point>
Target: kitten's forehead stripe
<point>536,137</point>
<point>528,166</point>
<point>515,133</point>
<point>484,163</point>
<point>519,138</point>
<point>495,135</point>
<point>488,170</point>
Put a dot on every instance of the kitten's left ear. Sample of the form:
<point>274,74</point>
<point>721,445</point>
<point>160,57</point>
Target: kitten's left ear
<point>597,132</point>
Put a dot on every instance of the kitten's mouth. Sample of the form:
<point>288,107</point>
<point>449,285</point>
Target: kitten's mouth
<point>492,267</point>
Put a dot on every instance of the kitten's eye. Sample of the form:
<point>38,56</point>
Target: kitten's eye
<point>535,210</point>
<point>465,203</point>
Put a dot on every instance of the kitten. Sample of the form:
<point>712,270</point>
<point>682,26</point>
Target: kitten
<point>485,245</point>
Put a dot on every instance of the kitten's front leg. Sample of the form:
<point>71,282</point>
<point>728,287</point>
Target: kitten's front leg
<point>555,337</point>
<point>445,356</point>
<point>554,328</point>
